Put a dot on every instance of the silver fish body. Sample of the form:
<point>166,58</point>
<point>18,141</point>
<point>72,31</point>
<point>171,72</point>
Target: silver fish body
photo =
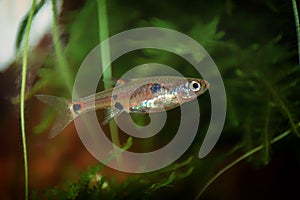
<point>143,95</point>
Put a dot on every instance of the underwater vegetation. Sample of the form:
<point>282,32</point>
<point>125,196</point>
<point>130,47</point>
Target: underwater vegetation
<point>255,47</point>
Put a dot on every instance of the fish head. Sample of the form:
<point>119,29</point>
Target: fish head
<point>192,88</point>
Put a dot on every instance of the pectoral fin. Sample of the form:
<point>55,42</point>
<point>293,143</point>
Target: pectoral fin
<point>110,114</point>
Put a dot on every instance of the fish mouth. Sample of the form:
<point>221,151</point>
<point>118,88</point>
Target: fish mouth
<point>206,84</point>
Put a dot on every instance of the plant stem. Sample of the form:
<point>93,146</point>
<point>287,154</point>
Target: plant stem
<point>267,136</point>
<point>295,10</point>
<point>244,156</point>
<point>62,66</point>
<point>22,95</point>
<point>106,59</point>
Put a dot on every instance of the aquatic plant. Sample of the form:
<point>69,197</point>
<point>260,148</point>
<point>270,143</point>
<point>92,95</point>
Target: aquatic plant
<point>22,97</point>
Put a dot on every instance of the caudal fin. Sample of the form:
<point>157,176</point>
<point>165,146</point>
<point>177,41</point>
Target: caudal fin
<point>64,116</point>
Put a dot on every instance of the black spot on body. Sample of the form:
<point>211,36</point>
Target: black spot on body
<point>155,88</point>
<point>119,106</point>
<point>115,96</point>
<point>76,107</point>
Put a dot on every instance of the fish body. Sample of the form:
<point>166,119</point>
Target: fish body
<point>142,95</point>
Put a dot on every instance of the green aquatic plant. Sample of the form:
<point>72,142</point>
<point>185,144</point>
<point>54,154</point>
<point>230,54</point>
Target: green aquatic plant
<point>105,57</point>
<point>295,10</point>
<point>22,28</point>
<point>243,157</point>
<point>25,30</point>
<point>22,95</point>
<point>62,64</point>
<point>276,99</point>
<point>94,185</point>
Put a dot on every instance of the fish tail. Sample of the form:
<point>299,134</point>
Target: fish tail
<point>65,113</point>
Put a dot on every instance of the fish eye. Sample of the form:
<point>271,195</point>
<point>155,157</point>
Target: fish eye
<point>195,86</point>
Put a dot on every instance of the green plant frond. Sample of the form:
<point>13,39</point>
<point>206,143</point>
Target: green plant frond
<point>267,135</point>
<point>284,105</point>
<point>62,64</point>
<point>207,34</point>
<point>261,81</point>
<point>165,183</point>
<point>297,25</point>
<point>136,186</point>
<point>22,95</point>
<point>73,191</point>
<point>23,24</point>
<point>241,158</point>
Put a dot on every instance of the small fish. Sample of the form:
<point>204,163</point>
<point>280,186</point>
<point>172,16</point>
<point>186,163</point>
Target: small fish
<point>142,95</point>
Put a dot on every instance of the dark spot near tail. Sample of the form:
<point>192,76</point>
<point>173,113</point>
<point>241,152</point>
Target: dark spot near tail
<point>115,96</point>
<point>155,88</point>
<point>119,106</point>
<point>76,107</point>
